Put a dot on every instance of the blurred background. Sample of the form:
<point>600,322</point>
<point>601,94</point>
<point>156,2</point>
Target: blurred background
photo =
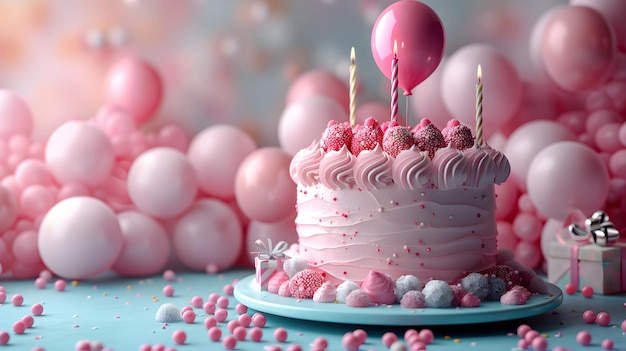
<point>221,61</point>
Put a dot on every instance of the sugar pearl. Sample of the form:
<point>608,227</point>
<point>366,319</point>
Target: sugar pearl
<point>583,338</point>
<point>294,347</point>
<point>169,275</point>
<point>522,330</point>
<point>589,317</point>
<point>232,325</point>
<point>241,308</point>
<point>40,283</point>
<point>280,334</point>
<point>229,342</point>
<point>210,322</point>
<point>570,289</point>
<point>189,316</point>
<point>37,309</point>
<point>19,327</point>
<point>196,301</point>
<point>587,291</point>
<point>389,338</point>
<point>607,344</point>
<point>259,320</point>
<point>60,285</point>
<point>214,333</point>
<point>244,320</point>
<point>213,297</point>
<point>222,302</point>
<point>255,334</point>
<point>179,337</point>
<point>28,321</point>
<point>17,300</point>
<point>229,289</point>
<point>350,342</point>
<point>185,309</point>
<point>530,335</point>
<point>361,335</point>
<point>4,337</point>
<point>427,336</point>
<point>209,307</point>
<point>168,291</point>
<point>239,333</point>
<point>221,315</point>
<point>539,343</point>
<point>319,343</point>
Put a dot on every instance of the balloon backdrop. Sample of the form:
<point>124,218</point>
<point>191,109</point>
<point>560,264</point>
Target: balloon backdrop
<point>613,11</point>
<point>502,86</point>
<point>319,83</point>
<point>418,35</point>
<point>79,238</point>
<point>282,230</point>
<point>15,115</point>
<point>578,48</point>
<point>427,99</point>
<point>8,209</point>
<point>567,176</point>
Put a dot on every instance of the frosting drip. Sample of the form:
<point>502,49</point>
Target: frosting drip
<point>372,169</point>
<point>451,168</point>
<point>482,169</point>
<point>411,169</point>
<point>336,169</point>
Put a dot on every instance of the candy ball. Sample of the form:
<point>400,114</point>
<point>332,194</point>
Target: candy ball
<point>263,187</point>
<point>80,237</point>
<point>216,153</point>
<point>77,151</point>
<point>162,182</point>
<point>209,233</point>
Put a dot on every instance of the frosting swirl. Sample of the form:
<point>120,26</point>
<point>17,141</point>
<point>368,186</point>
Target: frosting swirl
<point>451,168</point>
<point>503,167</point>
<point>379,287</point>
<point>335,170</point>
<point>304,166</point>
<point>482,169</point>
<point>411,169</point>
<point>372,169</point>
<point>326,293</point>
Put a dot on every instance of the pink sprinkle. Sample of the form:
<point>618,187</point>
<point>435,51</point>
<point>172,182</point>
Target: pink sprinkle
<point>168,291</point>
<point>259,320</point>
<point>60,285</point>
<point>4,337</point>
<point>239,333</point>
<point>583,338</point>
<point>179,337</point>
<point>17,300</point>
<point>589,317</point>
<point>587,291</point>
<point>603,319</point>
<point>570,289</point>
<point>229,342</point>
<point>539,343</point>
<point>213,297</point>
<point>210,322</point>
<point>360,334</point>
<point>116,317</point>
<point>607,344</point>
<point>221,315</point>
<point>37,309</point>
<point>189,317</point>
<point>40,283</point>
<point>389,338</point>
<point>222,302</point>
<point>530,335</point>
<point>427,336</point>
<point>320,343</point>
<point>241,308</point>
<point>197,301</point>
<point>350,342</point>
<point>169,275</point>
<point>19,327</point>
<point>214,333</point>
<point>232,325</point>
<point>255,334</point>
<point>244,320</point>
<point>209,307</point>
<point>522,330</point>
<point>229,289</point>
<point>28,321</point>
<point>280,334</point>
<point>185,309</point>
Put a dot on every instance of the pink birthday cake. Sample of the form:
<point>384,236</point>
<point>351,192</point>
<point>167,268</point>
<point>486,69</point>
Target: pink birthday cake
<point>397,201</point>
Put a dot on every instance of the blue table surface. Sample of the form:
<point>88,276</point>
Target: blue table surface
<point>120,313</point>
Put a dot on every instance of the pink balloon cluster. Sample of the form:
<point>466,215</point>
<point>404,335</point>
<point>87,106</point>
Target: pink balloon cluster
<point>103,194</point>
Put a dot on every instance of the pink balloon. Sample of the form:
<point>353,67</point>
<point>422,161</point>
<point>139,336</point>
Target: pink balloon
<point>16,117</point>
<point>607,138</point>
<point>506,236</point>
<point>525,142</point>
<point>8,209</point>
<point>216,153</point>
<point>567,176</point>
<point>528,254</point>
<point>536,36</point>
<point>613,11</point>
<point>162,182</point>
<point>282,230</point>
<point>135,86</point>
<point>36,200</point>
<point>68,190</point>
<point>418,33</point>
<point>25,248</point>
<point>506,199</point>
<point>79,238</point>
<point>319,83</point>
<point>263,187</point>
<point>527,227</point>
<point>617,163</point>
<point>427,100</point>
<point>146,245</point>
<point>379,110</point>
<point>208,235</point>
<point>578,48</point>
<point>573,120</point>
<point>305,121</point>
<point>77,151</point>
<point>502,88</point>
<point>117,122</point>
<point>599,118</point>
<point>173,136</point>
<point>31,172</point>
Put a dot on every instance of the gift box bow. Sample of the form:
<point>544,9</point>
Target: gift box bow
<point>268,251</point>
<point>597,229</point>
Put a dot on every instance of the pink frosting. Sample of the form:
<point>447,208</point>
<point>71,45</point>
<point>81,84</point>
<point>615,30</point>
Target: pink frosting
<point>276,281</point>
<point>482,169</point>
<point>469,300</point>
<point>518,295</point>
<point>503,167</point>
<point>304,166</point>
<point>372,169</point>
<point>336,169</point>
<point>283,290</point>
<point>411,169</point>
<point>326,293</point>
<point>451,168</point>
<point>379,287</point>
<point>358,298</point>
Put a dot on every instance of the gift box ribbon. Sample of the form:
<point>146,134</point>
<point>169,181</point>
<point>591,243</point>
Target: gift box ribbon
<point>268,251</point>
<point>597,230</point>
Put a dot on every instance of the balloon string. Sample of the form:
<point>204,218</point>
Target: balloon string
<point>406,111</point>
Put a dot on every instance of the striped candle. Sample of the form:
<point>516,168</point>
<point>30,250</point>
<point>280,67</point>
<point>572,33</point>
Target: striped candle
<point>352,87</point>
<point>394,83</point>
<point>479,108</point>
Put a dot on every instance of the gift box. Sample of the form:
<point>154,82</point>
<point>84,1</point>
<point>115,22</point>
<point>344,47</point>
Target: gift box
<point>601,267</point>
<point>269,260</point>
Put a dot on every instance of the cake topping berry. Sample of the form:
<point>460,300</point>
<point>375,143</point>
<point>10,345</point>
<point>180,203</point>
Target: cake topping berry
<point>397,138</point>
<point>367,137</point>
<point>457,135</point>
<point>428,137</point>
<point>336,135</point>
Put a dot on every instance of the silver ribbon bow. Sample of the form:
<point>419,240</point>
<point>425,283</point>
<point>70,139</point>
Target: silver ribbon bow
<point>597,227</point>
<point>269,251</point>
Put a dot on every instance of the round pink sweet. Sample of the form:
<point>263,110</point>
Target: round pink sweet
<point>570,289</point>
<point>19,327</point>
<point>427,336</point>
<point>232,324</point>
<point>255,334</point>
<point>603,319</point>
<point>28,321</point>
<point>319,343</point>
<point>196,301</point>
<point>350,342</point>
<point>360,334</point>
<point>229,289</point>
<point>221,315</point>
<point>222,302</point>
<point>530,335</point>
<point>214,333</point>
<point>17,300</point>
<point>179,337</point>
<point>523,329</point>
<point>583,338</point>
<point>587,291</point>
<point>239,333</point>
<point>589,317</point>
<point>244,320</point>
<point>185,309</point>
<point>40,283</point>
<point>259,320</point>
<point>209,307</point>
<point>168,290</point>
<point>280,334</point>
<point>294,347</point>
<point>37,309</point>
<point>523,344</point>
<point>4,337</point>
<point>539,343</point>
<point>60,285</point>
<point>241,308</point>
<point>169,275</point>
<point>213,297</point>
<point>229,342</point>
<point>210,322</point>
<point>189,317</point>
<point>607,344</point>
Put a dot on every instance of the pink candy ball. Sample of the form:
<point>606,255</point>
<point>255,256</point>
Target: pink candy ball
<point>214,333</point>
<point>389,338</point>
<point>589,317</point>
<point>19,327</point>
<point>244,320</point>
<point>255,334</point>
<point>229,342</point>
<point>583,338</point>
<point>587,291</point>
<point>607,344</point>
<point>28,321</point>
<point>603,319</point>
<point>241,308</point>
<point>259,320</point>
<point>209,307</point>
<point>239,333</point>
<point>223,145</point>
<point>189,317</point>
<point>168,290</point>
<point>350,342</point>
<point>196,247</point>
<point>427,336</point>
<point>77,151</point>
<point>17,300</point>
<point>4,337</point>
<point>60,285</point>
<point>263,186</point>
<point>133,85</point>
<point>179,337</point>
<point>522,330</point>
<point>221,315</point>
<point>280,334</point>
<point>162,182</point>
<point>169,275</point>
<point>37,309</point>
<point>80,237</point>
<point>539,343</point>
<point>146,245</point>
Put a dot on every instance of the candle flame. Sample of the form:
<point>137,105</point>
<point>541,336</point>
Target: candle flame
<point>479,73</point>
<point>352,56</point>
<point>395,48</point>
